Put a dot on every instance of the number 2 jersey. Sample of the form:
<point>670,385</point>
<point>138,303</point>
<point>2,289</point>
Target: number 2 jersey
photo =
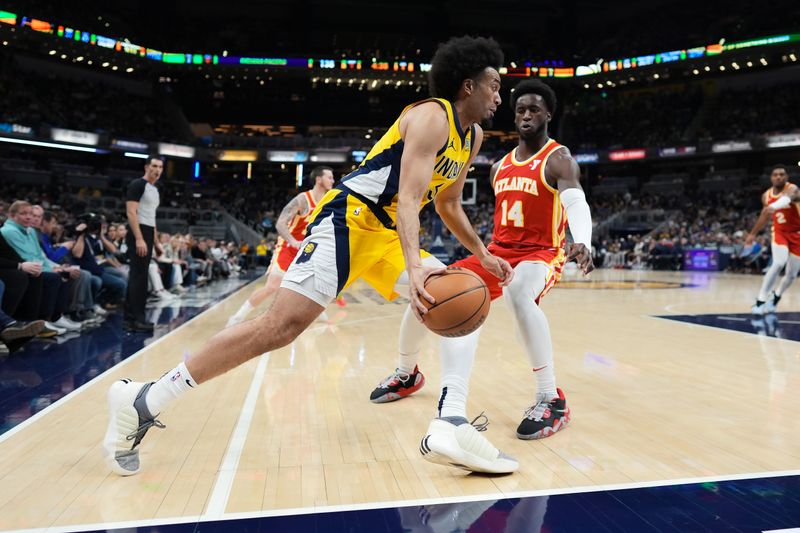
<point>785,222</point>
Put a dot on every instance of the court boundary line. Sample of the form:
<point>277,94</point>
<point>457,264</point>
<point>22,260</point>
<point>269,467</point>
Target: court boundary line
<point>299,511</point>
<point>218,500</point>
<point>62,401</point>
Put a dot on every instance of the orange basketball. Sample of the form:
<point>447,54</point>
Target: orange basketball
<point>462,302</point>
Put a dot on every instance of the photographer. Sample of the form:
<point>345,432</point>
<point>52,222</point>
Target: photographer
<point>89,252</point>
<point>82,285</point>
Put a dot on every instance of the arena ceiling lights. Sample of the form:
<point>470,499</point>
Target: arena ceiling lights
<point>528,69</point>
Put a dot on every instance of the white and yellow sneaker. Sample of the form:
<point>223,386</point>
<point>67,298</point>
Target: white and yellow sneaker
<point>452,441</point>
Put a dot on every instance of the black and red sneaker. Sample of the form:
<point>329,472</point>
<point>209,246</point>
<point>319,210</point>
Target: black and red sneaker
<point>397,386</point>
<point>545,417</point>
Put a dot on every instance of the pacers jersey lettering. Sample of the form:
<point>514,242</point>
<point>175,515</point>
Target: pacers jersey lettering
<point>528,210</point>
<point>786,220</point>
<point>376,180</point>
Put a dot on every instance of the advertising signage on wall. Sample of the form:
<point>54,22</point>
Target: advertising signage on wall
<point>74,136</point>
<point>784,140</point>
<point>627,155</point>
<point>731,146</point>
<point>287,156</point>
<point>677,151</point>
<point>587,158</point>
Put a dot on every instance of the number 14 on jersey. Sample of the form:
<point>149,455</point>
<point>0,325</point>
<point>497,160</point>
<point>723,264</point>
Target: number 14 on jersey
<point>513,215</point>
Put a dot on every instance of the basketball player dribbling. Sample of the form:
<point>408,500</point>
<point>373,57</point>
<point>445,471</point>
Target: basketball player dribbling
<point>778,202</point>
<point>366,227</point>
<point>291,226</point>
<point>537,189</point>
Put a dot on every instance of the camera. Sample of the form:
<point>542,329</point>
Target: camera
<point>93,222</point>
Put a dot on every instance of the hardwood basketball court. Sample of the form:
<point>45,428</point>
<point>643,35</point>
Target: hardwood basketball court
<point>654,401</point>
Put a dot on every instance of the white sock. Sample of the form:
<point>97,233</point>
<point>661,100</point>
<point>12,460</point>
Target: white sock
<point>532,328</point>
<point>792,268</point>
<point>412,333</point>
<point>169,387</point>
<point>244,310</point>
<point>780,256</point>
<point>457,355</point>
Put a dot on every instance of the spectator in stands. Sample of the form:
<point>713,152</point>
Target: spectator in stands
<point>261,253</point>
<point>200,260</point>
<point>25,277</point>
<point>22,238</point>
<point>14,289</point>
<point>14,333</point>
<point>114,256</point>
<point>170,265</point>
<point>196,257</point>
<point>86,287</point>
<point>219,258</point>
<point>142,200</point>
<point>121,243</point>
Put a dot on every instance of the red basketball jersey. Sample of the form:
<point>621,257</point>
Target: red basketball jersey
<point>528,210</point>
<point>786,220</point>
<point>297,226</point>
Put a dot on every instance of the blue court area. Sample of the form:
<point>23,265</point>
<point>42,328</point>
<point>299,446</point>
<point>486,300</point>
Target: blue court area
<point>741,506</point>
<point>779,325</point>
<point>46,370</point>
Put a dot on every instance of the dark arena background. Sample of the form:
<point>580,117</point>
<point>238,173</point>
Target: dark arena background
<point>685,390</point>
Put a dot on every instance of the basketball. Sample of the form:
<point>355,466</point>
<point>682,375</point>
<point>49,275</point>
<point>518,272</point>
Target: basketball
<point>462,302</point>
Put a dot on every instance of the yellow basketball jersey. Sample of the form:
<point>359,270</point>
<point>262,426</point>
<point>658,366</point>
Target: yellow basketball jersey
<point>376,180</point>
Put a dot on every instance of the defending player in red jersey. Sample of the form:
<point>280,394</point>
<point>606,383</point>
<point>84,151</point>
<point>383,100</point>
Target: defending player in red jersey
<point>779,204</point>
<point>537,189</point>
<point>291,226</point>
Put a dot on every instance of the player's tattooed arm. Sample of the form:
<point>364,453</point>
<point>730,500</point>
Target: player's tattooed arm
<point>296,206</point>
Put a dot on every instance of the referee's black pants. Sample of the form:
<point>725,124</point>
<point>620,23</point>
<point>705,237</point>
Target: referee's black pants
<point>136,298</point>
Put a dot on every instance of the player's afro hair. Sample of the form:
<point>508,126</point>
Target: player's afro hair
<point>780,166</point>
<point>534,87</point>
<point>459,59</point>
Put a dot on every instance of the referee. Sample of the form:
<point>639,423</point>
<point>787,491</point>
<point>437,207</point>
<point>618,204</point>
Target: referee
<point>141,203</point>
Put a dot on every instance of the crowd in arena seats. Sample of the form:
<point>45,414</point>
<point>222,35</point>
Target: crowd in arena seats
<point>63,270</point>
<point>671,115</point>
<point>739,113</point>
<point>36,99</point>
<point>704,220</point>
<point>603,119</point>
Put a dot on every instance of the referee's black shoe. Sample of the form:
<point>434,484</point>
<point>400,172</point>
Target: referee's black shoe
<point>137,326</point>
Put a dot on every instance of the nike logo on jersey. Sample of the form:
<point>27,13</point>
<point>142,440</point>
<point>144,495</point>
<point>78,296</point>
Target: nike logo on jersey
<point>505,167</point>
<point>535,164</point>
